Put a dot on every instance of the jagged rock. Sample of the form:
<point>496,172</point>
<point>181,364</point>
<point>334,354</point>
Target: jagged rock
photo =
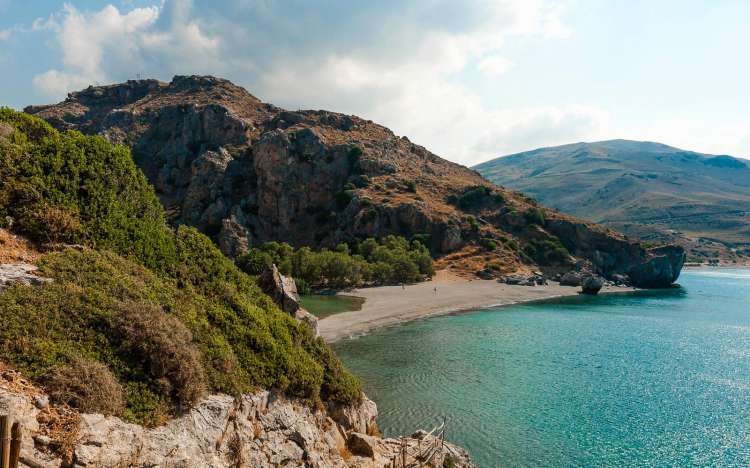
<point>215,152</point>
<point>260,430</point>
<point>304,316</point>
<point>22,273</point>
<point>591,285</point>
<point>570,278</point>
<point>661,269</point>
<point>233,238</point>
<point>620,280</point>
<point>282,290</point>
<point>362,444</point>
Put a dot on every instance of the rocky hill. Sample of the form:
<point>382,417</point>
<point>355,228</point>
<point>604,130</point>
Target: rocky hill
<point>126,342</point>
<point>243,171</point>
<point>647,190</point>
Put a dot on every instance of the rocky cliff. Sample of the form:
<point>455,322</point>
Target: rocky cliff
<point>244,171</point>
<point>259,430</point>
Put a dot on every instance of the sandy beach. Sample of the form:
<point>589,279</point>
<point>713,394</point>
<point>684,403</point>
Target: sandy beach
<point>391,305</point>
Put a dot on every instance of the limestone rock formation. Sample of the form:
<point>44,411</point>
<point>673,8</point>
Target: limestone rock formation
<point>243,171</point>
<point>591,285</point>
<point>259,430</point>
<point>283,291</point>
<point>22,273</point>
<point>570,278</point>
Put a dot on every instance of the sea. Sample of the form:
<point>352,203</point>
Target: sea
<point>648,378</point>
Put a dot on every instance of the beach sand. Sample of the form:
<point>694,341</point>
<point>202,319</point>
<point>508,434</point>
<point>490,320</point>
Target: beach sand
<point>390,305</point>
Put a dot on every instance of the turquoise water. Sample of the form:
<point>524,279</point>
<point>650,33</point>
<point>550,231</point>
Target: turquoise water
<point>657,378</point>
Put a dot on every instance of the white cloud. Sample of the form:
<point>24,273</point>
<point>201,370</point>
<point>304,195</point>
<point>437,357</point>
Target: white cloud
<point>494,65</point>
<point>106,45</point>
<point>396,63</point>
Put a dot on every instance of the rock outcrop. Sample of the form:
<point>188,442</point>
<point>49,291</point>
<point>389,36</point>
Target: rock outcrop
<point>243,171</point>
<point>259,430</point>
<point>591,285</point>
<point>22,273</point>
<point>283,291</point>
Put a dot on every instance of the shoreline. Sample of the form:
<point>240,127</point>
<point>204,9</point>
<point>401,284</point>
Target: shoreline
<point>393,305</point>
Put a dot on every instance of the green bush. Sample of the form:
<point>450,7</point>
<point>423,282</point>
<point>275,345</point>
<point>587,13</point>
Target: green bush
<point>475,197</point>
<point>534,216</point>
<point>80,189</point>
<point>149,305</point>
<point>547,252</point>
<point>360,181</point>
<point>393,260</point>
<point>488,243</point>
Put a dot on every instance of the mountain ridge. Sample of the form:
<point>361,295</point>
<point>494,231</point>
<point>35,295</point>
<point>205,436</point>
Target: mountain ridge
<point>243,172</point>
<point>646,189</point>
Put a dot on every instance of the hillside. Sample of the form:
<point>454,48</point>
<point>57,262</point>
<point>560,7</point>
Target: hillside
<point>135,319</point>
<point>647,190</point>
<point>244,172</point>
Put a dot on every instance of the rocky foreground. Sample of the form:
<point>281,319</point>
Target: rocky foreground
<point>259,430</point>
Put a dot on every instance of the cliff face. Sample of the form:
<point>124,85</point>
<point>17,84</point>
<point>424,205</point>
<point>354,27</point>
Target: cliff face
<point>260,430</point>
<point>244,172</point>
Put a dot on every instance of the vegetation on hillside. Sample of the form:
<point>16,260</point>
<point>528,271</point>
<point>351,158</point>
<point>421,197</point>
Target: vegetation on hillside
<point>142,320</point>
<point>393,260</point>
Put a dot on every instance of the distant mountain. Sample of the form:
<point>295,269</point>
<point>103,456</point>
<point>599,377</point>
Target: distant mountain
<point>649,190</point>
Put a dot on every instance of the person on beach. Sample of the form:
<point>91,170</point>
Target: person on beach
<point>435,289</point>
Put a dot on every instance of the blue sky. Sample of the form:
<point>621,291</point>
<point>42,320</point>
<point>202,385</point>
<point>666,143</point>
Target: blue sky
<point>469,80</point>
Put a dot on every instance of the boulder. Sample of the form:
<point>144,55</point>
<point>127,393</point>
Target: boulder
<point>591,285</point>
<point>570,278</point>
<point>22,273</point>
<point>281,289</point>
<point>304,316</point>
<point>660,270</point>
<point>362,444</point>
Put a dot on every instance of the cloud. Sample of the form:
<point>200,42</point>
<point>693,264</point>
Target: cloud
<point>393,62</point>
<point>106,45</point>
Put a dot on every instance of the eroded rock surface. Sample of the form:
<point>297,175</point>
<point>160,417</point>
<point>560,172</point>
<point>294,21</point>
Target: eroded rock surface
<point>260,430</point>
<point>22,273</point>
<point>243,171</point>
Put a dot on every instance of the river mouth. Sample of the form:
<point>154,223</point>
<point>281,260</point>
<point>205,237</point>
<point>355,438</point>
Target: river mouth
<point>646,378</point>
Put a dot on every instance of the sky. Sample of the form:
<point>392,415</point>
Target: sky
<point>469,80</point>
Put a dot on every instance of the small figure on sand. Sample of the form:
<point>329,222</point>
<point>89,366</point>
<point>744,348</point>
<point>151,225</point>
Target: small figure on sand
<point>435,289</point>
<point>402,286</point>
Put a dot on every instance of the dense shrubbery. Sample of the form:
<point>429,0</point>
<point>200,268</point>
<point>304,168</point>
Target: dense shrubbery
<point>534,216</point>
<point>150,314</point>
<point>67,187</point>
<point>394,260</point>
<point>476,197</point>
<point>547,252</point>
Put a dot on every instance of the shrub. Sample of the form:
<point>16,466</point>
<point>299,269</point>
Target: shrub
<point>473,224</point>
<point>87,385</point>
<point>411,186</point>
<point>164,344</point>
<point>488,243</point>
<point>254,261</point>
<point>547,252</point>
<point>343,198</point>
<point>132,302</point>
<point>360,181</point>
<point>475,197</point>
<point>82,188</point>
<point>51,223</point>
<point>534,216</point>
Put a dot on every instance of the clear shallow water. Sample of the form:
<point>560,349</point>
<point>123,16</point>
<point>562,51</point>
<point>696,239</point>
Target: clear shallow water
<point>656,378</point>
